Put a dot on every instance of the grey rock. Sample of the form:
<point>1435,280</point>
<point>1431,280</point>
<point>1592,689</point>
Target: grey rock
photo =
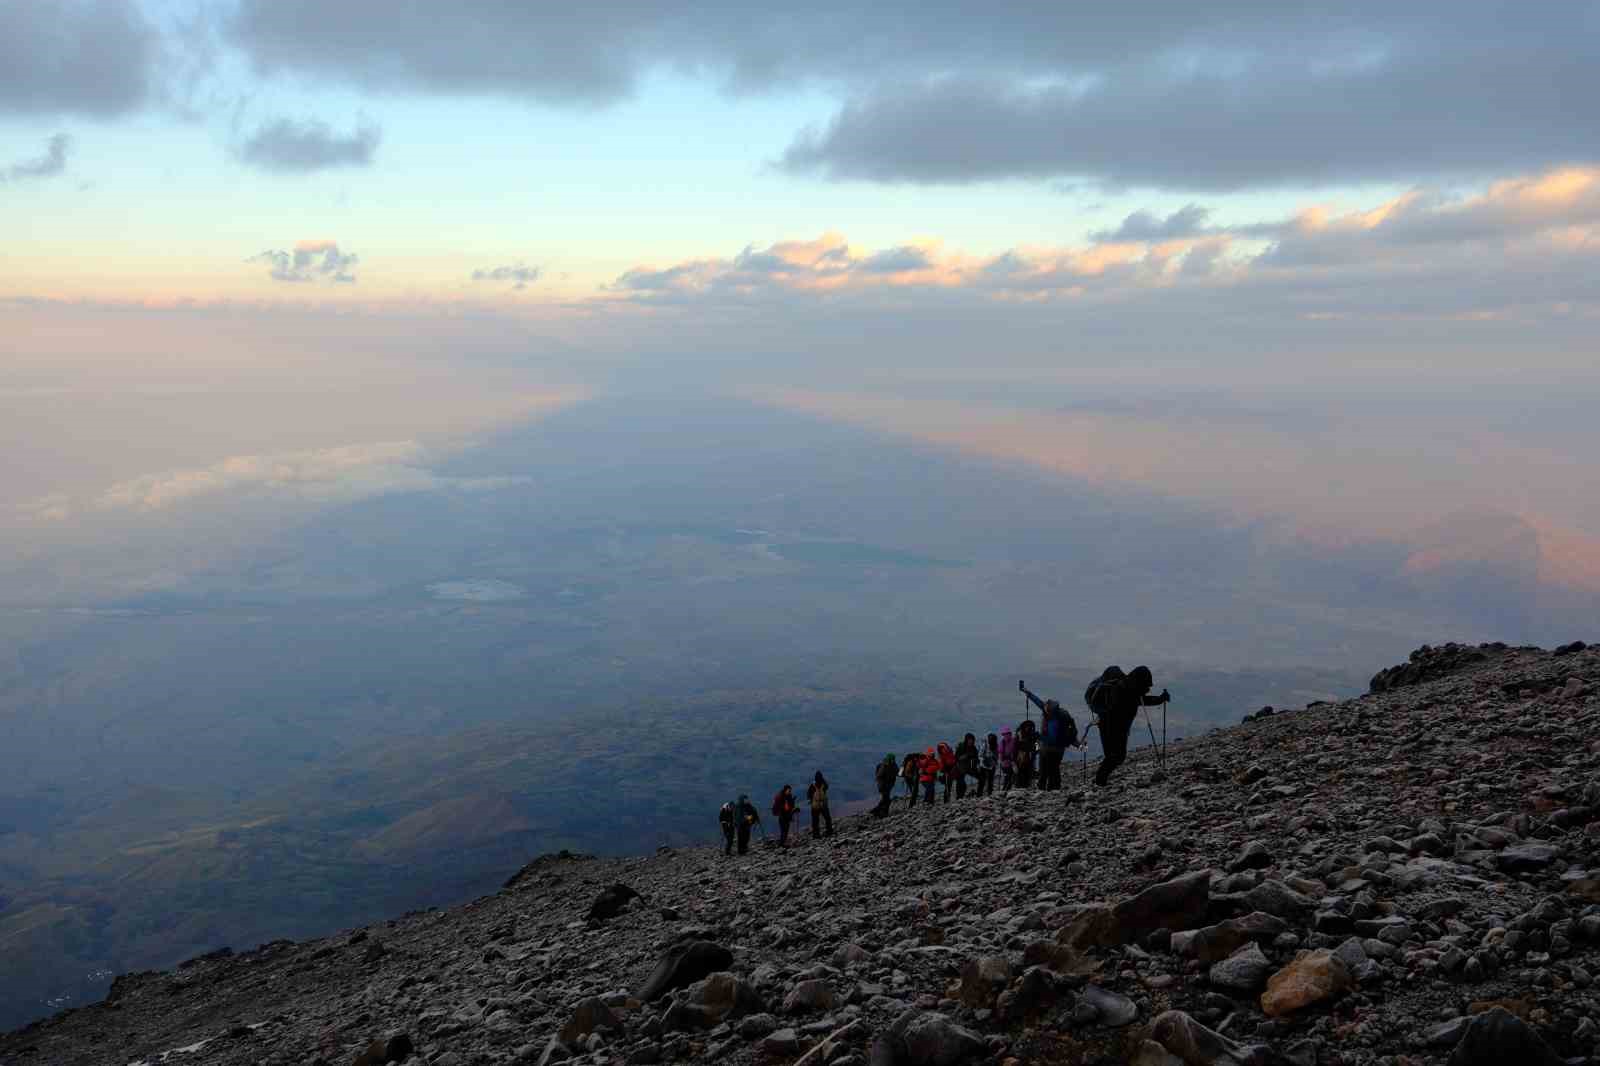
<point>806,996</point>
<point>683,964</point>
<point>1246,970</point>
<point>1110,1008</point>
<point>1498,1037</point>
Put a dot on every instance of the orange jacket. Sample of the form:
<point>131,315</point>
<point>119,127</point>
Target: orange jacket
<point>947,758</point>
<point>928,769</point>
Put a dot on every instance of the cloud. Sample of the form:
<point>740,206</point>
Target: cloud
<point>49,165</point>
<point>285,146</point>
<point>1189,221</point>
<point>329,474</point>
<point>520,276</point>
<point>309,261</point>
<point>1528,244</point>
<point>93,58</point>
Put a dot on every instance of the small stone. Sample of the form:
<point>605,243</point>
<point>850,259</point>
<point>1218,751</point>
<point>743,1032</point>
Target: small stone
<point>811,995</point>
<point>1244,971</point>
<point>781,1042</point>
<point>1110,1008</point>
<point>1255,856</point>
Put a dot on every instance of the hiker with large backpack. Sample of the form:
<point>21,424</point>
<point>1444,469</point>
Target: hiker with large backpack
<point>911,773</point>
<point>884,776</point>
<point>1057,733</point>
<point>1027,744</point>
<point>1115,699</point>
<point>728,819</point>
<point>966,764</point>
<point>748,819</point>
<point>1008,758</point>
<point>988,759</point>
<point>817,798</point>
<point>785,808</point>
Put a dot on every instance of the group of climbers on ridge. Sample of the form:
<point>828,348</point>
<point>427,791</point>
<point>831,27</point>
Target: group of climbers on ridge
<point>1114,698</point>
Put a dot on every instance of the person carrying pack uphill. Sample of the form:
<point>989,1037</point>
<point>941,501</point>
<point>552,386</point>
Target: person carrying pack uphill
<point>910,773</point>
<point>887,772</point>
<point>727,819</point>
<point>748,819</point>
<point>928,773</point>
<point>1057,733</point>
<point>785,808</point>
<point>1008,758</point>
<point>1115,698</point>
<point>817,798</point>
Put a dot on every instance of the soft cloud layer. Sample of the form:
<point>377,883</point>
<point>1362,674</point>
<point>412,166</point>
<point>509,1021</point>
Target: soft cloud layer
<point>1198,96</point>
<point>289,147</point>
<point>323,475</point>
<point>48,165</point>
<point>93,58</point>
<point>309,261</point>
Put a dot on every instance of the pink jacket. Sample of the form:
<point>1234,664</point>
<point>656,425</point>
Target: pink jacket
<point>1008,748</point>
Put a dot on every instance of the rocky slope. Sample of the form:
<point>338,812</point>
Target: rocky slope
<point>1408,877</point>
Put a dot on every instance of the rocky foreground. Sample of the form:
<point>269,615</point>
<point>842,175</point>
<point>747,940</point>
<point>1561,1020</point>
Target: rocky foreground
<point>1412,876</point>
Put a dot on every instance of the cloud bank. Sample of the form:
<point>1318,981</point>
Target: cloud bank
<point>285,146</point>
<point>91,58</point>
<point>1208,97</point>
<point>518,275</point>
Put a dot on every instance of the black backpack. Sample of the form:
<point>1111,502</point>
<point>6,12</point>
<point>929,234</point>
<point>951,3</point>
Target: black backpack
<point>1101,695</point>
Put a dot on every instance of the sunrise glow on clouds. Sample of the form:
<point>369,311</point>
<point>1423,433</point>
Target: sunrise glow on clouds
<point>217,201</point>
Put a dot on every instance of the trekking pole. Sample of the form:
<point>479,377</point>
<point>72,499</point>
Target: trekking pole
<point>1154,747</point>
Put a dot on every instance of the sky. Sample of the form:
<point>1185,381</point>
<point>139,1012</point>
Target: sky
<point>1339,266</point>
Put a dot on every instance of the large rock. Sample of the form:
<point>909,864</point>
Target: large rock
<point>1216,942</point>
<point>810,995</point>
<point>610,902</point>
<point>1499,1038</point>
<point>1278,899</point>
<point>983,979</point>
<point>719,997</point>
<point>682,965</point>
<point>1111,1008</point>
<point>590,1014</point>
<point>927,1038</point>
<point>1312,977</point>
<point>1527,858</point>
<point>1196,1045</point>
<point>1244,971</point>
<point>1255,856</point>
<point>1177,904</point>
<point>1093,926</point>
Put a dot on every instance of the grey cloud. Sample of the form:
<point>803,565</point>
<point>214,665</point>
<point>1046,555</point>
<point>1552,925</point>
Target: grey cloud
<point>75,57</point>
<point>899,260</point>
<point>309,261</point>
<point>1188,221</point>
<point>289,147</point>
<point>48,165</point>
<point>1215,96</point>
<point>521,276</point>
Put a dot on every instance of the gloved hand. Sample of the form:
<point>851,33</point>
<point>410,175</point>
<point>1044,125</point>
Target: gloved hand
<point>1166,697</point>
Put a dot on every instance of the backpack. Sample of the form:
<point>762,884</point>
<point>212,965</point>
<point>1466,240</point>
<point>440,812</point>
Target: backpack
<point>1060,731</point>
<point>887,772</point>
<point>778,804</point>
<point>1101,695</point>
<point>817,795</point>
<point>725,816</point>
<point>1026,737</point>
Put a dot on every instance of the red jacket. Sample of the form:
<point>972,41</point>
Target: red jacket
<point>928,768</point>
<point>947,758</point>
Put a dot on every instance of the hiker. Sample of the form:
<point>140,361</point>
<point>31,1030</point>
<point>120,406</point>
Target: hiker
<point>887,773</point>
<point>785,808</point>
<point>1057,733</point>
<point>947,768</point>
<point>746,813</point>
<point>966,763</point>
<point>1027,744</point>
<point>1008,758</point>
<point>928,773</point>
<point>988,759</point>
<point>1116,700</point>
<point>728,819</point>
<point>911,771</point>
<point>817,797</point>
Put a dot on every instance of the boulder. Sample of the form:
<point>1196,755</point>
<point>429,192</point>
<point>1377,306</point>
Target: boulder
<point>1255,856</point>
<point>1093,926</point>
<point>1196,1045</point>
<point>1216,942</point>
<point>723,996</point>
<point>1314,976</point>
<point>1279,900</point>
<point>983,979</point>
<point>1527,858</point>
<point>610,902</point>
<point>851,955</point>
<point>1244,971</point>
<point>590,1014</point>
<point>1110,1008</point>
<point>682,965</point>
<point>756,1026</point>
<point>1177,904</point>
<point>1497,1037</point>
<point>809,996</point>
<point>781,1043</point>
<point>928,1038</point>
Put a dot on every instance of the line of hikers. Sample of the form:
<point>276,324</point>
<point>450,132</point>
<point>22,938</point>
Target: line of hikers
<point>1113,698</point>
